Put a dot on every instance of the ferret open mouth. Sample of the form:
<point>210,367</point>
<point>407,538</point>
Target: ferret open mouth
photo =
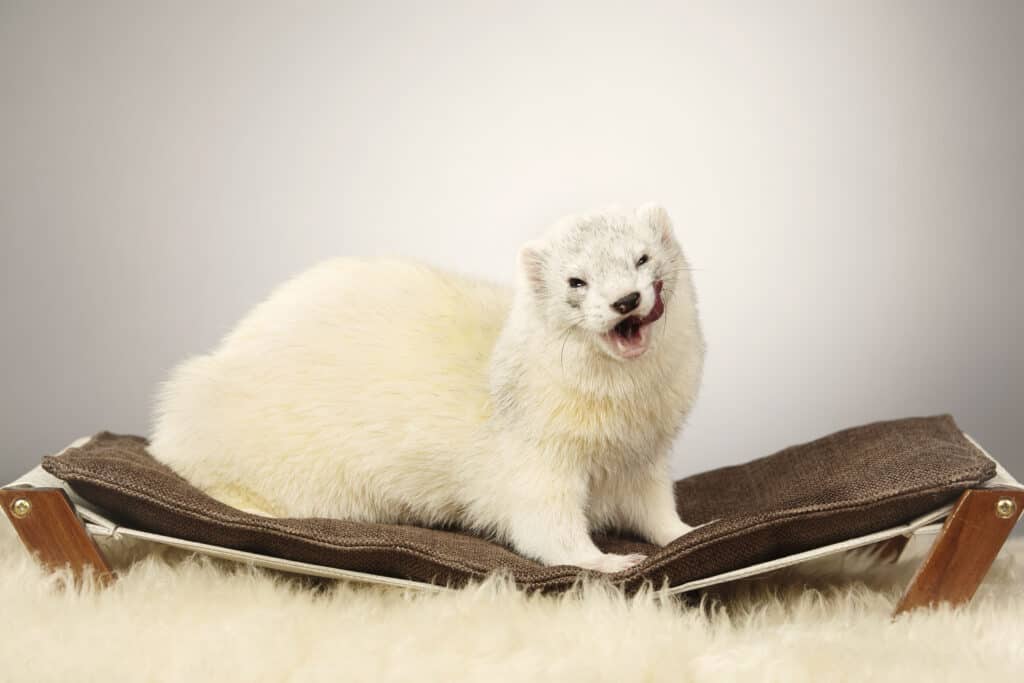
<point>629,336</point>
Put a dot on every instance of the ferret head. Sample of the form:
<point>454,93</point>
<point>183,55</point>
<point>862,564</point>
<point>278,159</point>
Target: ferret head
<point>607,276</point>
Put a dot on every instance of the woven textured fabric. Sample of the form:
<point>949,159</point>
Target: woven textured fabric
<point>851,483</point>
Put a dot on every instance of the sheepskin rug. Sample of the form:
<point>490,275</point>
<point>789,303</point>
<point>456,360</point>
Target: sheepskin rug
<point>174,617</point>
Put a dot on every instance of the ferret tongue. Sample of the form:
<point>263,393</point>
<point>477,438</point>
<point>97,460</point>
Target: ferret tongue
<point>634,345</point>
<point>659,306</point>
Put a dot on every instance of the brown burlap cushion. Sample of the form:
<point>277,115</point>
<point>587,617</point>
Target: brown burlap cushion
<point>851,483</point>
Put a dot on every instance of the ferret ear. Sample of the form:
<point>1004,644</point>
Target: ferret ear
<point>532,260</point>
<point>656,216</point>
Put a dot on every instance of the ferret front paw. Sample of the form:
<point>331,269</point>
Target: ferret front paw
<point>669,532</point>
<point>610,563</point>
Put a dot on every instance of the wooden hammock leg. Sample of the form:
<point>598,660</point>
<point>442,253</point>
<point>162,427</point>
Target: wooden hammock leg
<point>48,526</point>
<point>965,548</point>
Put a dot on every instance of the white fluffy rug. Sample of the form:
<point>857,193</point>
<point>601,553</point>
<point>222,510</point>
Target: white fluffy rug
<point>176,618</point>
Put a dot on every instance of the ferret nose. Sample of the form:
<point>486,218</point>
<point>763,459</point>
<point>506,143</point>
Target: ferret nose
<point>627,303</point>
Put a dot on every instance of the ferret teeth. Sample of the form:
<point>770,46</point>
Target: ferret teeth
<point>628,328</point>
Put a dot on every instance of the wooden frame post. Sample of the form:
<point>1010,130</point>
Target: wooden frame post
<point>969,541</point>
<point>47,524</point>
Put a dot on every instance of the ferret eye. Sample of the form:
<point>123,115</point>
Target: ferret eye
<point>643,260</point>
<point>575,282</point>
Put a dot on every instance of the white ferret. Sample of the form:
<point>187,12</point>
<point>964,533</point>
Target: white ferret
<point>386,391</point>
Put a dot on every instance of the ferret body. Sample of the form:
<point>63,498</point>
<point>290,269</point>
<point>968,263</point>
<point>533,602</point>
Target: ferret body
<point>387,391</point>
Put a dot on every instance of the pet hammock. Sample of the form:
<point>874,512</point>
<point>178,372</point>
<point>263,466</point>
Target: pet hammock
<point>874,485</point>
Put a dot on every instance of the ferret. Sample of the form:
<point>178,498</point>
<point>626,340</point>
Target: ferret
<point>393,392</point>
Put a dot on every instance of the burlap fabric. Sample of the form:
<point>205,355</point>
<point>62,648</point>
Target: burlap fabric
<point>853,482</point>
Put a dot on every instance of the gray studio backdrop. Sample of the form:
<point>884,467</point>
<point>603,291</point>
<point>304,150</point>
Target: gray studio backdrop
<point>847,177</point>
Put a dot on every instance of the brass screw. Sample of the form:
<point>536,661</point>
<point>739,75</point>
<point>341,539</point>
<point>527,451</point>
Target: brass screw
<point>21,508</point>
<point>1005,508</point>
